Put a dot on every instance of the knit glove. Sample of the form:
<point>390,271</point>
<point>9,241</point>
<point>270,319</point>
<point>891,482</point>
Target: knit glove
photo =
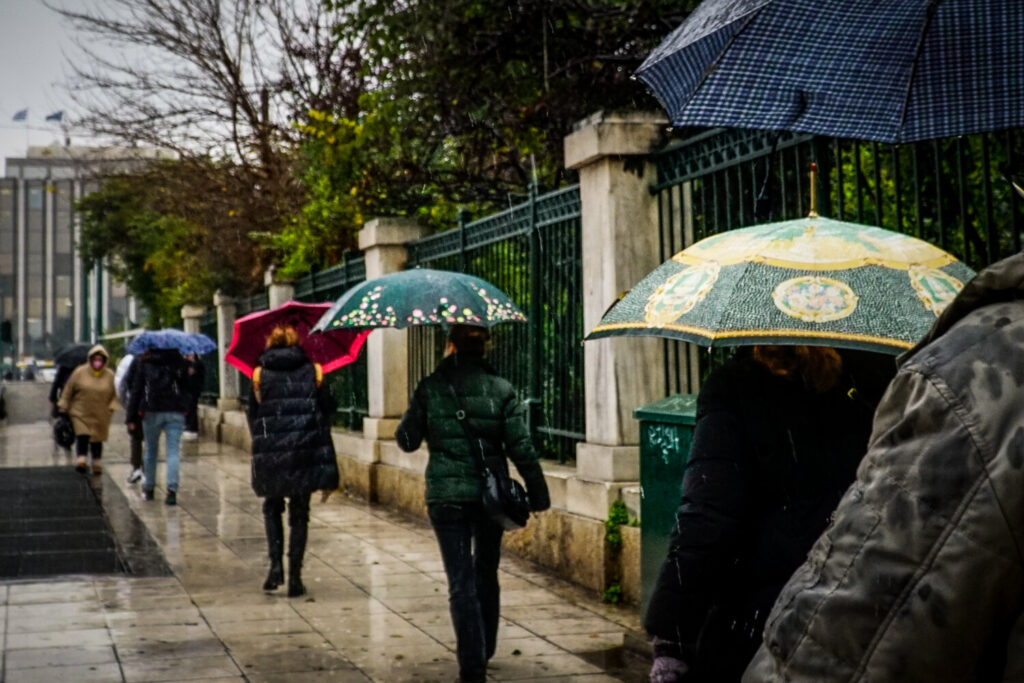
<point>668,670</point>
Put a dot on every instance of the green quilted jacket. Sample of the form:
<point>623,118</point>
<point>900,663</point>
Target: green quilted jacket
<point>494,412</point>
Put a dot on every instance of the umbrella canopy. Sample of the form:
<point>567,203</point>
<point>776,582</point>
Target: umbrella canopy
<point>894,71</point>
<point>332,350</point>
<point>421,297</point>
<point>170,338</point>
<point>810,281</point>
<point>72,355</point>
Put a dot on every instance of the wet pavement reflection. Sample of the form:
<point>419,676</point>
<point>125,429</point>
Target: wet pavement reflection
<point>191,607</point>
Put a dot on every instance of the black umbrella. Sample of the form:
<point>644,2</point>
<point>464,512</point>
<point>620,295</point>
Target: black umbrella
<point>72,355</point>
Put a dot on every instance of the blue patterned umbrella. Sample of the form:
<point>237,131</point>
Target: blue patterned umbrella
<point>891,71</point>
<point>170,338</point>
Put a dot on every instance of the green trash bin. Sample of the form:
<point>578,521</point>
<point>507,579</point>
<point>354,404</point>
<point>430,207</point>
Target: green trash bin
<point>666,432</point>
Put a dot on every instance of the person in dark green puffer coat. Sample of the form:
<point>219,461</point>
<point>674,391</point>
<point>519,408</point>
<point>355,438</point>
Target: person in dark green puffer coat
<point>470,543</point>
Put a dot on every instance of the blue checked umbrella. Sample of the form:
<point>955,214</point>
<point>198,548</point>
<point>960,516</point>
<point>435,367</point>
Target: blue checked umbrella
<point>890,71</point>
<point>170,338</point>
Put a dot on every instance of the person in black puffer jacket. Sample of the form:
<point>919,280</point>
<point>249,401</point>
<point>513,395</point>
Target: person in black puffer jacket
<point>292,451</point>
<point>470,543</point>
<point>158,400</point>
<point>779,434</point>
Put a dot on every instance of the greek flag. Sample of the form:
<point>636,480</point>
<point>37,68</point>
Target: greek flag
<point>20,115</point>
<point>57,116</point>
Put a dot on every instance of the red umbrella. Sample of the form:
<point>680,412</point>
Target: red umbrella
<point>332,350</point>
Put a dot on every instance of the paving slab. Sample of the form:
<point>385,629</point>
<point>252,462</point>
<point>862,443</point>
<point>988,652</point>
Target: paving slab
<point>376,611</point>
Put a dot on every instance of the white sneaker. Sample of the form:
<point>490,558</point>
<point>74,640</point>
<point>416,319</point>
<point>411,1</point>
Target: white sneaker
<point>134,476</point>
<point>190,436</point>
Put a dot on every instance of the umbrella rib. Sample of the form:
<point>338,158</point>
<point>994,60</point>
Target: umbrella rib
<point>929,13</point>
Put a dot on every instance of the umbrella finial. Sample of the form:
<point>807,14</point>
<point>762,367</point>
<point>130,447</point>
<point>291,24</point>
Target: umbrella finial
<point>813,213</point>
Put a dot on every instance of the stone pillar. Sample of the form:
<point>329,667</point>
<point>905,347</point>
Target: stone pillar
<point>620,246</point>
<point>190,316</point>
<point>382,241</point>
<point>227,373</point>
<point>278,291</point>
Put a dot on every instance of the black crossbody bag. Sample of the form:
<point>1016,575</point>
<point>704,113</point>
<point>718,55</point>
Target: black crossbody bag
<point>504,499</point>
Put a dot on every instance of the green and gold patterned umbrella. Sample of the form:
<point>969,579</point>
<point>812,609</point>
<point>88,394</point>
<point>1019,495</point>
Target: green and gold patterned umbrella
<point>811,281</point>
<point>420,296</point>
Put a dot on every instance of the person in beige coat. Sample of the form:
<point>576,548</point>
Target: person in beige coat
<point>89,399</point>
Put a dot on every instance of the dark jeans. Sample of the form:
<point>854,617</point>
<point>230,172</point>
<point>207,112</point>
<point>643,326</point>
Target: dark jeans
<point>135,440</point>
<point>470,549</point>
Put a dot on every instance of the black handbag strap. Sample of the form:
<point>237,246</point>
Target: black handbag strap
<point>463,419</point>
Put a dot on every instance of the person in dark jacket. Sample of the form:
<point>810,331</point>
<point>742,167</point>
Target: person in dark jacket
<point>59,380</point>
<point>292,452</point>
<point>779,433</point>
<point>127,368</point>
<point>158,399</point>
<point>920,576</point>
<point>470,543</point>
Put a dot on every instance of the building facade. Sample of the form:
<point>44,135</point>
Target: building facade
<point>48,295</point>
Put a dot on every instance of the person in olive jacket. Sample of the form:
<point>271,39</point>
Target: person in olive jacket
<point>470,543</point>
<point>292,452</point>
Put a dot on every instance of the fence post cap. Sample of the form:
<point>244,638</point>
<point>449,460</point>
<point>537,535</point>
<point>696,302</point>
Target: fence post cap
<point>192,311</point>
<point>607,134</point>
<point>389,231</point>
<point>222,299</point>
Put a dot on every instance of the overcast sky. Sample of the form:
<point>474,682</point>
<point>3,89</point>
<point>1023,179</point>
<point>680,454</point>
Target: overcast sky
<point>33,43</point>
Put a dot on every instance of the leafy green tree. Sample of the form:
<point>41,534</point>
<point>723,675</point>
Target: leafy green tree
<point>177,231</point>
<point>457,104</point>
<point>498,84</point>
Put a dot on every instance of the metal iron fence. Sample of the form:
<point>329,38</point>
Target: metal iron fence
<point>348,385</point>
<point>532,252</point>
<point>211,380</point>
<point>952,192</point>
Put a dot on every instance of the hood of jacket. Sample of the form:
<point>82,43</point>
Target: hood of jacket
<point>98,348</point>
<point>283,358</point>
<point>1002,281</point>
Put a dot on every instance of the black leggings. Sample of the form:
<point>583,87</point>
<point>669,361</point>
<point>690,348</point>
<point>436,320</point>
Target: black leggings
<point>82,446</point>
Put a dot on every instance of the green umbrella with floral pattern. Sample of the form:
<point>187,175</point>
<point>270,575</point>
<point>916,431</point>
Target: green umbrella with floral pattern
<point>813,281</point>
<point>420,297</point>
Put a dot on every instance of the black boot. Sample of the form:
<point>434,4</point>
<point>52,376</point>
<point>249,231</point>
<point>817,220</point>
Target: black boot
<point>298,527</point>
<point>275,546</point>
<point>295,586</point>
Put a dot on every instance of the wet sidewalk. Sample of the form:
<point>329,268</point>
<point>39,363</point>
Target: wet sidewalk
<point>377,607</point>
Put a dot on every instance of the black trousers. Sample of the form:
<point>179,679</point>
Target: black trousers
<point>83,446</point>
<point>470,549</point>
<point>298,525</point>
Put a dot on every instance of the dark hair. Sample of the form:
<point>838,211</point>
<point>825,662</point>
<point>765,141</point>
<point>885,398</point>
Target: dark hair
<point>818,367</point>
<point>470,340</point>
